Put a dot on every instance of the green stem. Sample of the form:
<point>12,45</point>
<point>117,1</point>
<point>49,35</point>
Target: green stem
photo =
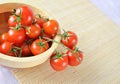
<point>75,53</point>
<point>15,51</point>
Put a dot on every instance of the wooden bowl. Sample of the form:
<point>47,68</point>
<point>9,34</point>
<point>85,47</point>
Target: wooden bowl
<point>23,62</point>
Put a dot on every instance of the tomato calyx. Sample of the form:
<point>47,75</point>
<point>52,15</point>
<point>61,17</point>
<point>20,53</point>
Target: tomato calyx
<point>18,16</point>
<point>38,16</point>
<point>58,55</point>
<point>40,20</point>
<point>75,51</point>
<point>44,18</point>
<point>29,41</point>
<point>41,44</point>
<point>16,50</point>
<point>17,27</point>
<point>65,34</point>
<point>18,19</point>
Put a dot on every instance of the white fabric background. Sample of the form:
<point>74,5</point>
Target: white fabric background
<point>6,77</point>
<point>110,7</point>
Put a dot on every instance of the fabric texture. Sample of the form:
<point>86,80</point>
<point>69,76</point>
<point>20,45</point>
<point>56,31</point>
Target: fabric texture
<point>6,76</point>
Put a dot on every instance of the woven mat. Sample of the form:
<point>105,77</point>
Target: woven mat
<point>99,39</point>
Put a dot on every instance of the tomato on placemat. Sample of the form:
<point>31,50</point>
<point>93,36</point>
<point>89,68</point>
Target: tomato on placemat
<point>69,39</point>
<point>58,61</point>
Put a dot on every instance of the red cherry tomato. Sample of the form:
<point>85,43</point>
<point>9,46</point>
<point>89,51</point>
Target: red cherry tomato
<point>26,14</point>
<point>5,48</point>
<point>39,46</point>
<point>45,35</point>
<point>12,21</point>
<point>16,36</point>
<point>33,31</point>
<point>3,37</point>
<point>26,50</point>
<point>74,58</point>
<point>40,21</point>
<point>51,27</point>
<point>58,62</point>
<point>69,39</point>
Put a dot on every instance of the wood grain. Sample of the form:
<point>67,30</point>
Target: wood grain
<point>99,39</point>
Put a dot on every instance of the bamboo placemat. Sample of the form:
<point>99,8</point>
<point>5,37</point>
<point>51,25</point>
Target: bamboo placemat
<point>99,39</point>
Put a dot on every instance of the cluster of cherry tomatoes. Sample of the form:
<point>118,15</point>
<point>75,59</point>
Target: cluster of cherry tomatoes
<point>72,55</point>
<point>25,33</point>
<point>29,35</point>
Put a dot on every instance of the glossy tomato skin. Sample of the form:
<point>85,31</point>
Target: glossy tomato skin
<point>71,40</point>
<point>16,37</point>
<point>27,15</point>
<point>33,31</point>
<point>26,50</point>
<point>58,64</point>
<point>46,35</point>
<point>36,48</point>
<point>73,59</point>
<point>12,21</point>
<point>5,48</point>
<point>51,27</point>
<point>40,21</point>
<point>3,37</point>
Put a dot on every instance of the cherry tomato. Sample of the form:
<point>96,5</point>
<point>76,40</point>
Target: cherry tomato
<point>51,27</point>
<point>43,34</point>
<point>40,21</point>
<point>69,39</point>
<point>12,21</point>
<point>75,58</point>
<point>3,37</point>
<point>16,36</point>
<point>5,48</point>
<point>26,50</point>
<point>39,46</point>
<point>26,14</point>
<point>33,31</point>
<point>58,62</point>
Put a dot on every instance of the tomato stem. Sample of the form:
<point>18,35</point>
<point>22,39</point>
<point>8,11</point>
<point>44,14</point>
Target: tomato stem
<point>13,11</point>
<point>34,21</point>
<point>38,16</point>
<point>44,18</point>
<point>18,19</point>
<point>17,27</point>
<point>73,51</point>
<point>16,50</point>
<point>65,35</point>
<point>58,55</point>
<point>41,44</point>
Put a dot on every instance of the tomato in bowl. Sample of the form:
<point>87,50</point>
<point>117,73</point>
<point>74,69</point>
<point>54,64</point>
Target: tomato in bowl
<point>24,62</point>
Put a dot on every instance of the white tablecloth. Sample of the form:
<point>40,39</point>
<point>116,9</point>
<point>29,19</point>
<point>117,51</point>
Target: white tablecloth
<point>6,76</point>
<point>109,7</point>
